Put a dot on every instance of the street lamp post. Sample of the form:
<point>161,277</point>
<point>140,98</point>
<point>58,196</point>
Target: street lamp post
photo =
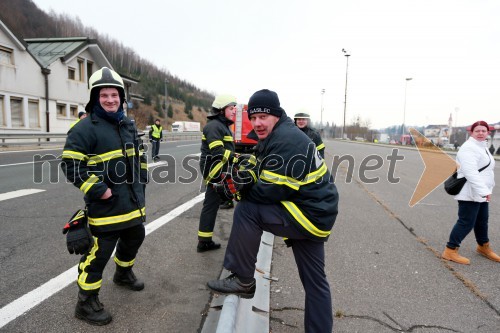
<point>321,121</point>
<point>404,108</point>
<point>347,55</point>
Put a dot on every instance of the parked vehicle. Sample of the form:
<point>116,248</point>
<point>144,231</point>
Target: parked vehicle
<point>241,128</point>
<point>186,126</point>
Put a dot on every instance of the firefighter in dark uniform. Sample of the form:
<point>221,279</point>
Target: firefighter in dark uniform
<point>155,136</point>
<point>286,190</point>
<point>217,152</point>
<point>102,157</point>
<point>302,120</point>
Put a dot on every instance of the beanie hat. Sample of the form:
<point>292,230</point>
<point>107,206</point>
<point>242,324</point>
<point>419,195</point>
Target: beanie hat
<point>265,101</point>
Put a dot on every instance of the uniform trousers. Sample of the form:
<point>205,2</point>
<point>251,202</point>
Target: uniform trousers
<point>155,149</point>
<point>127,242</point>
<point>250,220</point>
<point>208,214</point>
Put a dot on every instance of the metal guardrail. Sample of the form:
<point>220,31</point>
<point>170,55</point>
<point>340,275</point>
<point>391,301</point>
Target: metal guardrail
<point>40,139</point>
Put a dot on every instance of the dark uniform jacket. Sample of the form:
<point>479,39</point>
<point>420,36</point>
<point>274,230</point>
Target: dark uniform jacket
<point>290,171</point>
<point>217,148</point>
<point>99,155</point>
<point>316,138</point>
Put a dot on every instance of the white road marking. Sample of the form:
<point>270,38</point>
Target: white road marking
<point>22,163</point>
<point>18,193</point>
<point>193,144</point>
<point>28,301</point>
<point>23,151</point>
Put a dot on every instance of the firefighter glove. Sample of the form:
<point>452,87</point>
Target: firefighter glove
<point>225,188</point>
<point>79,240</point>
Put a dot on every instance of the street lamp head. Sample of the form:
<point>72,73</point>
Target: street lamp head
<point>409,78</point>
<point>345,53</point>
<point>322,91</point>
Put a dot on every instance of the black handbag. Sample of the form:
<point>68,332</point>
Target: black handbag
<point>454,185</point>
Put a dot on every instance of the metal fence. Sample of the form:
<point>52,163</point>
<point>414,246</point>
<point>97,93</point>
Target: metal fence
<point>42,139</point>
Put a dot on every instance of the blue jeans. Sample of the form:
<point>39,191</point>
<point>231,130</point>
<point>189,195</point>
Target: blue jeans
<point>471,215</point>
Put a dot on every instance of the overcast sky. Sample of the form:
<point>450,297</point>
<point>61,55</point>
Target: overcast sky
<point>450,49</point>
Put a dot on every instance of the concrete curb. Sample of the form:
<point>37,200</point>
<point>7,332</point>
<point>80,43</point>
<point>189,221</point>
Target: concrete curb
<point>231,314</point>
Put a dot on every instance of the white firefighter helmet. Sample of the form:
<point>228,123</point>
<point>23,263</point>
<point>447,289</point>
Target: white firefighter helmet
<point>102,78</point>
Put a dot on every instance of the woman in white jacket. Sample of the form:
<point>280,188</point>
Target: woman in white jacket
<point>473,199</point>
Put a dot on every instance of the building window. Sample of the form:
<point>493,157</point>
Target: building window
<point>34,114</point>
<point>71,73</point>
<point>89,70</point>
<point>6,57</point>
<point>81,70</point>
<point>2,114</point>
<point>73,110</point>
<point>61,110</point>
<point>16,112</point>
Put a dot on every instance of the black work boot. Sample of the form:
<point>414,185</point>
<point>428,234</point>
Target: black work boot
<point>227,205</point>
<point>204,246</point>
<point>125,277</point>
<point>91,310</point>
<point>233,286</point>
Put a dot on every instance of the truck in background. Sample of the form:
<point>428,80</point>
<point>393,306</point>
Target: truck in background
<point>186,126</point>
<point>241,128</point>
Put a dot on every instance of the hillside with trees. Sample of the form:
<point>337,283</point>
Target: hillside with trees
<point>185,100</point>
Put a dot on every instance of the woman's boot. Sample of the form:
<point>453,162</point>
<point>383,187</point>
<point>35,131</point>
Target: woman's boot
<point>486,251</point>
<point>452,255</point>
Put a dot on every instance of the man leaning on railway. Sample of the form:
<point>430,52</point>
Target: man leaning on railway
<point>288,191</point>
<point>103,158</point>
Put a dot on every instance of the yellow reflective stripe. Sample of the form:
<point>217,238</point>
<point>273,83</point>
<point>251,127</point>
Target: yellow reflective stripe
<point>252,160</point>
<point>130,152</point>
<point>278,179</point>
<point>99,221</point>
<point>253,175</point>
<point>303,221</point>
<point>203,137</point>
<point>228,138</point>
<point>82,277</point>
<point>85,187</point>
<point>71,154</point>
<point>215,170</point>
<point>105,157</point>
<point>144,165</point>
<point>225,158</point>
<point>321,146</point>
<point>205,234</point>
<point>214,144</point>
<point>124,263</point>
<point>315,174</point>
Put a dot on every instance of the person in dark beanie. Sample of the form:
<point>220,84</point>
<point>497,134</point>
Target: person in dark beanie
<point>286,189</point>
<point>217,153</point>
<point>302,120</point>
<point>103,158</point>
<point>81,115</point>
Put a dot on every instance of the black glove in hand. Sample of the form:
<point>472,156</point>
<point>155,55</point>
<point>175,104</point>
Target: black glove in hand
<point>79,240</point>
<point>225,188</point>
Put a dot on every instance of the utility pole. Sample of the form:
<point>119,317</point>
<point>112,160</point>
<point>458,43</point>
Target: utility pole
<point>347,55</point>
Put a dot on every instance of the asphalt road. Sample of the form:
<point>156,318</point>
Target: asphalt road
<point>382,258</point>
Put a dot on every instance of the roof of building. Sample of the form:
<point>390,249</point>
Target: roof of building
<point>49,50</point>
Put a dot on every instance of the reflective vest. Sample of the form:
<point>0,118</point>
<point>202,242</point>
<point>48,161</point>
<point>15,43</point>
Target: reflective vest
<point>156,131</point>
